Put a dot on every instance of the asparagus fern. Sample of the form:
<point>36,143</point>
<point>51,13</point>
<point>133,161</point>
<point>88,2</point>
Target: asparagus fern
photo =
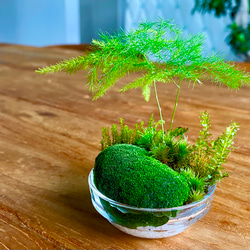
<point>160,52</point>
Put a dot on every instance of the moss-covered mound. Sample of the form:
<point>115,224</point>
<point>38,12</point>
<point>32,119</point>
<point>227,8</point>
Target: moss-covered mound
<point>127,174</point>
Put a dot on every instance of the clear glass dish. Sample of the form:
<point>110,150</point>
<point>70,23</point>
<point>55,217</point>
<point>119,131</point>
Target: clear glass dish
<point>148,222</point>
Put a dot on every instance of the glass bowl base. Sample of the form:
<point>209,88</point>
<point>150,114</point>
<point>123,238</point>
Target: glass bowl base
<point>147,232</point>
<point>150,223</point>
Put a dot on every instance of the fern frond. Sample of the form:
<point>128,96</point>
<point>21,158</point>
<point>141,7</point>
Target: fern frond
<point>222,73</point>
<point>209,155</point>
<point>145,82</point>
<point>202,142</point>
<point>69,66</point>
<point>223,145</point>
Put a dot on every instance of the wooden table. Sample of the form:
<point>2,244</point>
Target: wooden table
<point>49,138</point>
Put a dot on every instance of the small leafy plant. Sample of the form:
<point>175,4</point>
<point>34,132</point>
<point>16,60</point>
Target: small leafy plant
<point>160,53</point>
<point>200,163</point>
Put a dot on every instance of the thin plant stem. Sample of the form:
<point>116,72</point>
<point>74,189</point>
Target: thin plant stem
<point>159,108</point>
<point>175,105</point>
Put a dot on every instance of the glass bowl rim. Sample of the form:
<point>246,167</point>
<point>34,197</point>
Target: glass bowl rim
<point>101,195</point>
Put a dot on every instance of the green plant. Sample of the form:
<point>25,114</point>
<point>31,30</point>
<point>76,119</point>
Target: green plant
<point>196,184</point>
<point>160,52</point>
<point>239,38</point>
<point>220,7</point>
<point>126,135</point>
<point>201,162</point>
<point>157,50</point>
<point>208,154</point>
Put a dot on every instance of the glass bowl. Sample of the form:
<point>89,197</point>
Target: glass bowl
<point>149,222</point>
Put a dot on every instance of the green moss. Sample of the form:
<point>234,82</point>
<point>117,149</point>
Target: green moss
<point>127,174</point>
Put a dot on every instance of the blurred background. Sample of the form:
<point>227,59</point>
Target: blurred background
<point>57,22</point>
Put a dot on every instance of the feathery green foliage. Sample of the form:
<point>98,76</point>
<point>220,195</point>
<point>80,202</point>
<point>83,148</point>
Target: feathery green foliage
<point>160,52</point>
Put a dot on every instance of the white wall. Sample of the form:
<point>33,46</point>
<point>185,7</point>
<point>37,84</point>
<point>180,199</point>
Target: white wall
<point>47,22</point>
<point>8,21</point>
<point>39,22</point>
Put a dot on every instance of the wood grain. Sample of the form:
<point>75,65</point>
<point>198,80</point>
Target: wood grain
<point>49,138</point>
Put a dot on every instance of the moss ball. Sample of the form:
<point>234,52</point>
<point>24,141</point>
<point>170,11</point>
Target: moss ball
<point>127,174</point>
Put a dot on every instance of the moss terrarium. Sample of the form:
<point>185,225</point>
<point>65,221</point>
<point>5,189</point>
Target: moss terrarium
<point>150,181</point>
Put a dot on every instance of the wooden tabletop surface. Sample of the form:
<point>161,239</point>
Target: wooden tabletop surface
<point>49,137</point>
